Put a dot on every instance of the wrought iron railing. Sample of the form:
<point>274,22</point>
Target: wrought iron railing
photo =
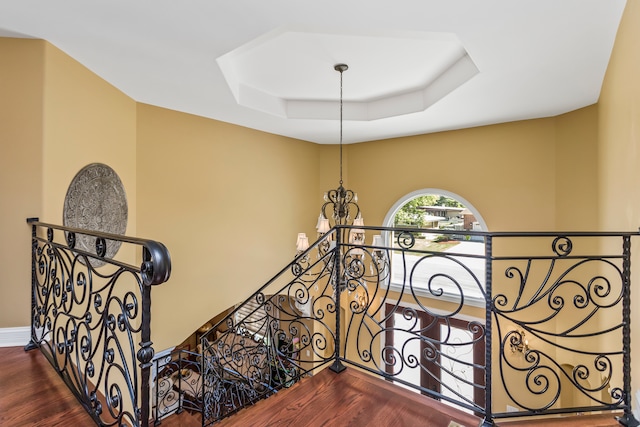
<point>561,315</point>
<point>91,317</point>
<point>178,384</point>
<point>283,332</point>
<point>498,324</point>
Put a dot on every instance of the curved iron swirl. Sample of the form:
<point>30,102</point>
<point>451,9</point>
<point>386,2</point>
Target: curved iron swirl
<point>406,240</point>
<point>562,246</point>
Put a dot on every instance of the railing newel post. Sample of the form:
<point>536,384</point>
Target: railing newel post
<point>627,420</point>
<point>31,345</point>
<point>145,355</point>
<point>337,365</point>
<point>488,336</point>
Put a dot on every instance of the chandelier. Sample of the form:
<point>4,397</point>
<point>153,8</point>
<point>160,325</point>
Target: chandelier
<point>340,205</point>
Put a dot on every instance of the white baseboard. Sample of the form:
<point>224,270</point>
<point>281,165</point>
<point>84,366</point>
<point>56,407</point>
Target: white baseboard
<point>15,337</point>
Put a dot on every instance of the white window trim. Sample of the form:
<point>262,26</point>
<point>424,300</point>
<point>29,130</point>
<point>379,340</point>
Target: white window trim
<point>473,301</point>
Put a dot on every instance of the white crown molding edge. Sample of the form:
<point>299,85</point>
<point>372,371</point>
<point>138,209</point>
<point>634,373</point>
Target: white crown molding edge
<point>15,337</point>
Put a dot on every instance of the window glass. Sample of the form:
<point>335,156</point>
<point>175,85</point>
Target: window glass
<point>456,255</point>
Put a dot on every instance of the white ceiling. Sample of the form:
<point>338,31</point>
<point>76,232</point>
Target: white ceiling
<point>535,58</point>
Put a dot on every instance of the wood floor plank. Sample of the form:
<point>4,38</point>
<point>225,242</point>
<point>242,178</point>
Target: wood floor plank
<point>32,394</point>
<point>351,398</point>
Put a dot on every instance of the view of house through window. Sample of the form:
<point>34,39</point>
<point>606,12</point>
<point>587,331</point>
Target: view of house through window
<point>431,212</point>
<point>434,212</point>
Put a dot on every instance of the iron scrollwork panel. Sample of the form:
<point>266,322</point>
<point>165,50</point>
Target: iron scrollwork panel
<point>559,319</point>
<point>270,341</point>
<point>89,331</point>
<point>178,384</point>
<point>393,329</point>
<point>92,323</point>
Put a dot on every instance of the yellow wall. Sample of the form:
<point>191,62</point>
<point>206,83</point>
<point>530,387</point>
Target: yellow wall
<point>21,84</point>
<point>86,120</point>
<point>619,136</point>
<point>57,117</point>
<point>619,152</point>
<point>577,170</point>
<point>505,171</point>
<point>228,202</point>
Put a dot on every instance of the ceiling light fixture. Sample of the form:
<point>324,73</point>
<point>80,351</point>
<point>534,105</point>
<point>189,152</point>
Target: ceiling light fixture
<point>339,204</point>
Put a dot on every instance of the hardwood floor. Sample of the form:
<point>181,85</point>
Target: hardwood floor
<point>32,394</point>
<point>351,398</point>
<point>356,399</point>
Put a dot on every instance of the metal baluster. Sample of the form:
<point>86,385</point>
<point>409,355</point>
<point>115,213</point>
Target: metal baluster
<point>337,364</point>
<point>488,410</point>
<point>32,344</point>
<point>627,419</point>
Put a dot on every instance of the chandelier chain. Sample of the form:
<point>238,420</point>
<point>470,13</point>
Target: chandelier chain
<point>341,68</point>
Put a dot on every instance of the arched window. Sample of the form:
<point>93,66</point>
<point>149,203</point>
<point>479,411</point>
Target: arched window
<point>477,222</point>
<point>431,211</point>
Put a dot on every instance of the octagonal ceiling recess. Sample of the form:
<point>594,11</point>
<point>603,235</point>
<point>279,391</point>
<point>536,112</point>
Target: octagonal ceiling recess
<point>283,72</point>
